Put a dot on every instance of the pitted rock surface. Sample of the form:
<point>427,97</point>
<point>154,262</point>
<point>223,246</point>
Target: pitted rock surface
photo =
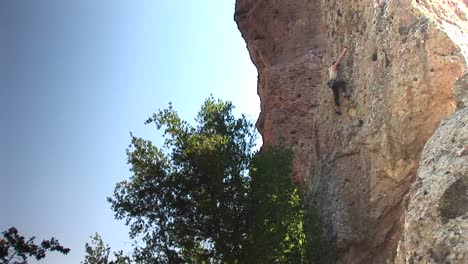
<point>400,70</point>
<point>436,222</point>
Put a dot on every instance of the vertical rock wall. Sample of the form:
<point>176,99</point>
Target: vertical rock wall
<point>400,69</point>
<point>436,221</point>
<point>286,40</point>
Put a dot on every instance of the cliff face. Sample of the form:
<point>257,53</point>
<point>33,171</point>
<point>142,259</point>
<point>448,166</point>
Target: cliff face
<point>400,70</point>
<point>436,221</point>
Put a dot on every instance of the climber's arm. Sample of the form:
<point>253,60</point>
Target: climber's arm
<point>342,55</point>
<point>340,58</point>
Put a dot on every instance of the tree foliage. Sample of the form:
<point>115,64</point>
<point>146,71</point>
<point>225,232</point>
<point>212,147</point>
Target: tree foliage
<point>16,249</point>
<point>188,201</point>
<point>207,197</point>
<point>98,253</point>
<point>318,248</point>
<point>276,232</point>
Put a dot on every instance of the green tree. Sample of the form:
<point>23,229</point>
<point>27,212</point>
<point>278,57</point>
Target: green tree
<point>188,201</point>
<point>276,232</point>
<point>318,248</point>
<point>15,249</point>
<point>98,253</point>
<point>207,197</point>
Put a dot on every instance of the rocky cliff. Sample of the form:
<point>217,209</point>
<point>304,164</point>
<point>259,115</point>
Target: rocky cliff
<point>404,57</point>
<point>436,221</point>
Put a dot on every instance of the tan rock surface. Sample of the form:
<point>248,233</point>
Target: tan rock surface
<point>451,16</point>
<point>400,71</point>
<point>436,221</point>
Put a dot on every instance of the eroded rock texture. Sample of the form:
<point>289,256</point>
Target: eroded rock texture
<point>451,16</point>
<point>436,221</point>
<point>400,70</point>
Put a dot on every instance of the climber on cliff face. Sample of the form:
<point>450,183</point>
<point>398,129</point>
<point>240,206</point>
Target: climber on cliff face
<point>336,84</point>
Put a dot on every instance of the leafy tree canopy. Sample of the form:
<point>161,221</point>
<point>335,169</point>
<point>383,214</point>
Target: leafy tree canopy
<point>207,197</point>
<point>276,231</point>
<point>15,249</point>
<point>98,253</point>
<point>188,200</point>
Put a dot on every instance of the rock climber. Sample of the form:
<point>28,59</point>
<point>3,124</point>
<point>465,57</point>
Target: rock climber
<point>336,84</point>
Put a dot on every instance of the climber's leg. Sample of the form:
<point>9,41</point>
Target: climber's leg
<point>336,97</point>
<point>342,85</point>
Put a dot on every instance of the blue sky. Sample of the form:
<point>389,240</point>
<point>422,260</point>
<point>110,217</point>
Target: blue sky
<point>77,76</point>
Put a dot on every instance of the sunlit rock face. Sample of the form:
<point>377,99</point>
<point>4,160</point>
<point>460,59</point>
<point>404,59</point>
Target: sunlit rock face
<point>451,16</point>
<point>436,221</point>
<point>400,70</point>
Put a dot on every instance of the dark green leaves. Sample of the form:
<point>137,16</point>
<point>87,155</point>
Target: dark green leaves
<point>187,201</point>
<point>98,253</point>
<point>15,249</point>
<point>277,210</point>
<point>205,197</point>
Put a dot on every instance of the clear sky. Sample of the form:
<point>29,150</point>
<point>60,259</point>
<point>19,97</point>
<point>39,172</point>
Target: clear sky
<point>77,76</point>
